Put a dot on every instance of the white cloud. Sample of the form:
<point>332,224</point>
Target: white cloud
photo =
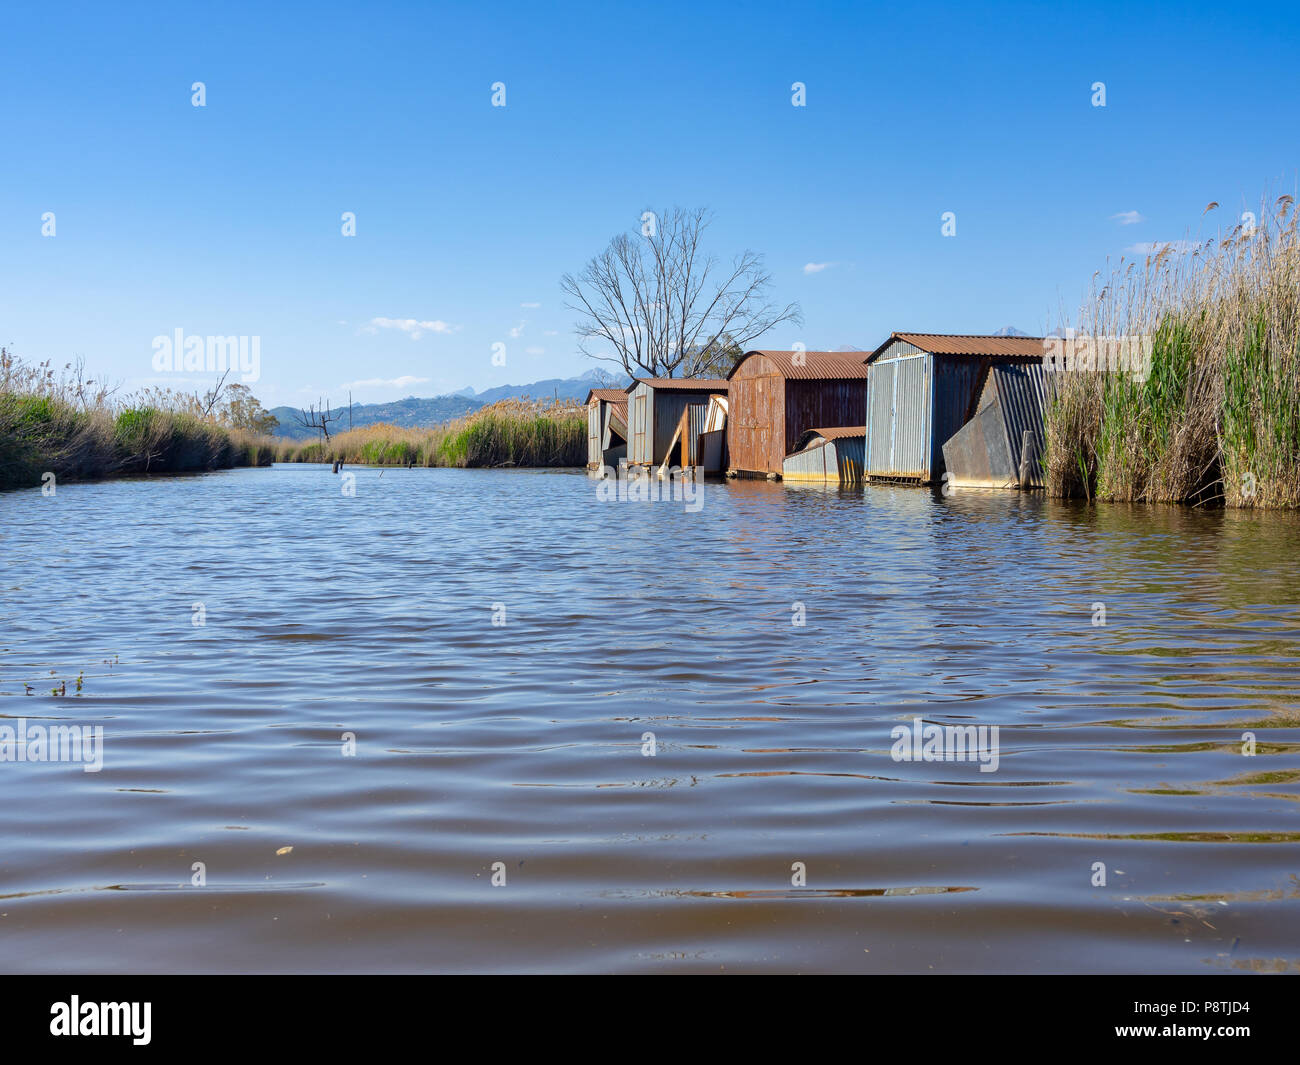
<point>1128,218</point>
<point>817,268</point>
<point>1155,247</point>
<point>530,306</point>
<point>379,382</point>
<point>412,327</point>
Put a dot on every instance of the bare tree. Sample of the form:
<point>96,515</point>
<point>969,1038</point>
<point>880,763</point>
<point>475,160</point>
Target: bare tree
<point>208,401</point>
<point>658,305</point>
<point>318,418</point>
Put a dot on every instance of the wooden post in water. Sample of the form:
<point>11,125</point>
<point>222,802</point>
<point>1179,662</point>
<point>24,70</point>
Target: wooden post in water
<point>1026,448</point>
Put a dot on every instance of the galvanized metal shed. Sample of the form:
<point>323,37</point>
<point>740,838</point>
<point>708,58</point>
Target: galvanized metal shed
<point>601,403</point>
<point>776,396</point>
<point>654,410</point>
<point>987,451</point>
<point>828,455</point>
<point>922,388</point>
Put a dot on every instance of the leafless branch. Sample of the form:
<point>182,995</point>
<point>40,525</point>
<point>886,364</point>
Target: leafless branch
<point>655,304</point>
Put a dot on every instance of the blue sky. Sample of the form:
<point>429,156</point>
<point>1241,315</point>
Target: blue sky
<point>226,219</point>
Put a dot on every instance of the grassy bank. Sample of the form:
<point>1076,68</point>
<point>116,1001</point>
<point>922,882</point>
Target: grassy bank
<point>508,433</point>
<point>70,427</point>
<point>1216,417</point>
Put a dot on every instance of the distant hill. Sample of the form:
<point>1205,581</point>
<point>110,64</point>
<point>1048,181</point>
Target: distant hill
<point>1010,331</point>
<point>552,388</point>
<point>414,413</point>
<point>410,413</point>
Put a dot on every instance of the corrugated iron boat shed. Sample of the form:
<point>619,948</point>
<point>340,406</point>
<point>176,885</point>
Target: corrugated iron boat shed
<point>923,388</point>
<point>600,402</point>
<point>777,395</point>
<point>654,409</point>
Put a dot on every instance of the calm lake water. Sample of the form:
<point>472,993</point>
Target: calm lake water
<point>523,742</point>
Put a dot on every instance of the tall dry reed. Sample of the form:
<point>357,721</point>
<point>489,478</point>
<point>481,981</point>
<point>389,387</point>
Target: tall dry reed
<point>512,432</point>
<point>1216,417</point>
<point>75,428</point>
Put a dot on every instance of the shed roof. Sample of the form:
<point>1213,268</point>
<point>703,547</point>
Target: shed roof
<point>966,344</point>
<point>812,365</point>
<point>839,432</point>
<point>680,384</point>
<point>609,395</point>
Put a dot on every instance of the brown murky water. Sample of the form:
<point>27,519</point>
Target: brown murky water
<point>524,743</point>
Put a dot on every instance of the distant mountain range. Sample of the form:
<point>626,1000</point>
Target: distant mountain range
<point>414,413</point>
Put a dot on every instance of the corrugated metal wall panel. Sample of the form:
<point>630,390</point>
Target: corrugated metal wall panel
<point>955,380</point>
<point>1022,392</point>
<point>880,415</point>
<point>594,433</point>
<point>976,455</point>
<point>837,461</point>
<point>899,405</point>
<point>850,451</point>
<point>640,412</point>
<point>816,463</point>
<point>912,410</point>
<point>713,450</point>
<point>755,419</point>
<point>615,432</point>
<point>668,412</point>
<point>696,417</point>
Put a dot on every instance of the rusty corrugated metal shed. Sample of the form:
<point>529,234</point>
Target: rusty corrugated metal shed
<point>965,344</point>
<point>611,395</point>
<point>810,365</point>
<point>776,395</point>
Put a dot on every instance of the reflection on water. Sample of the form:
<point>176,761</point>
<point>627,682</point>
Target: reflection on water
<point>646,763</point>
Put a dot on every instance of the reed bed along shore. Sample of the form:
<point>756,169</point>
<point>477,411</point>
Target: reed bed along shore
<point>71,427</point>
<point>512,432</point>
<point>1215,416</point>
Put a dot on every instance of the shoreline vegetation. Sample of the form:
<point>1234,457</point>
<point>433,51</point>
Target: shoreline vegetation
<point>1215,417</point>
<point>511,432</point>
<point>73,427</point>
<point>76,429</point>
